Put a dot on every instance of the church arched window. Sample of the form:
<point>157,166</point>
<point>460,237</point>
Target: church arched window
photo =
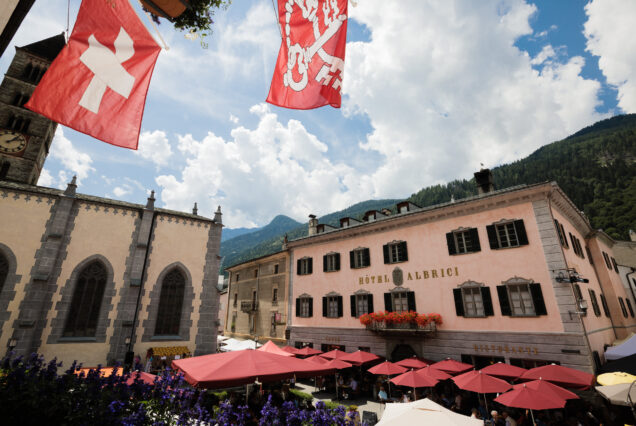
<point>170,304</point>
<point>87,299</point>
<point>4,270</point>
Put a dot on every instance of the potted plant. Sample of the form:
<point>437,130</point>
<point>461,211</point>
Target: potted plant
<point>194,16</point>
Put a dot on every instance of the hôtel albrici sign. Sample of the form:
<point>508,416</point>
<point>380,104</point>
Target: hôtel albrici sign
<point>398,277</point>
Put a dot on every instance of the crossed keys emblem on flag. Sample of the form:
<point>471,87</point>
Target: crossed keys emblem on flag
<point>299,57</point>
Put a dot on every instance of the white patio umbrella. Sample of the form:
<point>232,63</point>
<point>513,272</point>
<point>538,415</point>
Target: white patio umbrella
<point>618,394</point>
<point>423,412</point>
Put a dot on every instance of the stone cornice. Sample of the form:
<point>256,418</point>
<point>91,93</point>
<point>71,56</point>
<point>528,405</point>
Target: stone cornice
<point>565,206</point>
<point>283,255</point>
<point>431,214</point>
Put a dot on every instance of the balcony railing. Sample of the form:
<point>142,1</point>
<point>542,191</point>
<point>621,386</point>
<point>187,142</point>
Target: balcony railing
<point>249,305</point>
<point>382,327</point>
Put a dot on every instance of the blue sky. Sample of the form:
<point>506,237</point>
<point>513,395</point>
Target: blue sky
<point>431,89</point>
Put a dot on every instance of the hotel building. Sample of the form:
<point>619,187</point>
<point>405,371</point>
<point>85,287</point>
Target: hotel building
<point>516,274</point>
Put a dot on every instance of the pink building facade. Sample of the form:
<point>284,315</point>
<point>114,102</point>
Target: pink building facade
<point>504,269</point>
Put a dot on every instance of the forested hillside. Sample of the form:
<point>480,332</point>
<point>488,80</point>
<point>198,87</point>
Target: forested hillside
<point>596,167</point>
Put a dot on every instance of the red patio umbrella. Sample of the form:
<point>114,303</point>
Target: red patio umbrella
<point>307,351</point>
<point>413,362</point>
<point>414,380</point>
<point>548,388</point>
<point>451,366</point>
<point>476,381</point>
<point>147,378</point>
<point>503,370</point>
<point>273,349</point>
<point>242,367</point>
<point>530,399</point>
<point>290,349</point>
<point>359,357</point>
<point>317,359</point>
<point>335,354</point>
<point>387,368</point>
<point>434,373</point>
<point>560,375</point>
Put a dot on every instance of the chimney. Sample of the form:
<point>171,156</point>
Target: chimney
<point>313,225</point>
<point>386,212</point>
<point>484,181</point>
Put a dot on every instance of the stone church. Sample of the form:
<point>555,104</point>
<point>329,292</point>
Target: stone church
<point>88,278</point>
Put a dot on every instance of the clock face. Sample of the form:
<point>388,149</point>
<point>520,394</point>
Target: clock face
<point>12,142</point>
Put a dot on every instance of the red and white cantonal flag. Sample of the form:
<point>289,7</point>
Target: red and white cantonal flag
<point>98,83</point>
<point>310,62</point>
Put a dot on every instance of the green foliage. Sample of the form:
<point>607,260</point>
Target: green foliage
<point>332,405</point>
<point>302,395</point>
<point>198,17</point>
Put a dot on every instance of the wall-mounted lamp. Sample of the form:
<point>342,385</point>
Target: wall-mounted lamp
<point>570,277</point>
<point>127,341</point>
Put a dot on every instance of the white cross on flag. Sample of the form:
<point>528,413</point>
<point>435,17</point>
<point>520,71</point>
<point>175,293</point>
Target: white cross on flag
<point>98,83</point>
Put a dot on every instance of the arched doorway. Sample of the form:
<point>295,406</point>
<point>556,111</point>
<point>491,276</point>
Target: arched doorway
<point>402,351</point>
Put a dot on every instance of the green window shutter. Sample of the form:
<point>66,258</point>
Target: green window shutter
<point>370,303</point>
<point>487,301</point>
<point>450,241</point>
<point>298,267</point>
<point>324,306</point>
<point>340,307</point>
<point>337,261</point>
<point>492,237</point>
<point>388,305</point>
<point>520,228</point>
<point>367,257</point>
<point>474,236</point>
<point>311,306</point>
<point>537,299</point>
<point>352,298</point>
<point>298,306</point>
<point>310,269</point>
<point>404,251</point>
<point>459,303</point>
<point>324,263</point>
<point>504,301</point>
<point>410,299</point>
<point>387,258</point>
<point>352,262</point>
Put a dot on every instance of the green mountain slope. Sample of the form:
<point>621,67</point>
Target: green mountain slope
<point>596,167</point>
<point>269,239</point>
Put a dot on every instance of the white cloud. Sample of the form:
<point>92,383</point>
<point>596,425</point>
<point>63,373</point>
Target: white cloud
<point>75,161</point>
<point>260,173</point>
<point>45,178</point>
<point>155,147</point>
<point>445,88</point>
<point>120,191</point>
<point>610,35</point>
<point>546,54</point>
<point>234,119</point>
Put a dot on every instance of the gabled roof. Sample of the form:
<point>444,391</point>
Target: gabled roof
<point>48,48</point>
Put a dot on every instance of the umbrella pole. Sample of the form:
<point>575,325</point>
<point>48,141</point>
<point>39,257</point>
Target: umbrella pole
<point>532,415</point>
<point>337,398</point>
<point>486,403</point>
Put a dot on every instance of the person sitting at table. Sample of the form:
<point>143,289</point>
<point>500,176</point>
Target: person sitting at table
<point>353,387</point>
<point>382,396</point>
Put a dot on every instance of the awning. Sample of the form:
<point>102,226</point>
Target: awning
<point>169,351</point>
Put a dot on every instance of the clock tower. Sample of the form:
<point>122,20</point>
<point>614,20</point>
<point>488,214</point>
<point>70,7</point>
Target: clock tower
<point>25,137</point>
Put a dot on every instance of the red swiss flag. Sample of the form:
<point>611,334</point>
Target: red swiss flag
<point>310,62</point>
<point>98,83</point>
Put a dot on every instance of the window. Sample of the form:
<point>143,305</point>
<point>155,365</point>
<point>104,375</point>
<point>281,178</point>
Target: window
<point>276,269</point>
<point>4,270</point>
<point>595,307</point>
<point>507,234</point>
<point>615,265</point>
<point>255,273</point>
<point>18,124</point>
<point>275,295</point>
<point>473,300</point>
<point>359,258</point>
<point>520,297</point>
<point>304,266</point>
<point>233,325</point>
<point>622,303</point>
<point>170,304</point>
<point>87,299</point>
<point>561,232</point>
<point>400,300</point>
<point>629,306</point>
<point>235,299</point>
<point>604,304</point>
<point>33,73</point>
<point>238,276</point>
<point>463,241</point>
<point>607,260</point>
<point>304,306</point>
<point>589,255</point>
<point>20,99</point>
<point>361,303</point>
<point>327,347</point>
<point>331,262</point>
<point>395,252</point>
<point>332,306</point>
<point>576,245</point>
